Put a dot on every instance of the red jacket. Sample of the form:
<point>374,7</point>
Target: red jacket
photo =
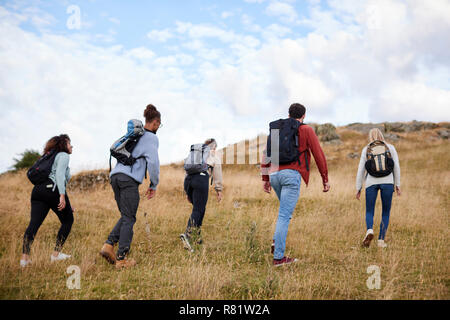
<point>307,141</point>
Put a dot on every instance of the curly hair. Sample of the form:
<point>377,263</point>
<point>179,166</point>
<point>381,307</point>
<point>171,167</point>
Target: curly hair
<point>58,143</point>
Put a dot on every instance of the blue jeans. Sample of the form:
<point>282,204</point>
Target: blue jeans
<point>386,191</point>
<point>286,184</point>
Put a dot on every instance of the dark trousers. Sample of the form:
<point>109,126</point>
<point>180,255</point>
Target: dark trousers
<point>126,193</point>
<point>196,187</point>
<point>386,191</point>
<point>42,200</point>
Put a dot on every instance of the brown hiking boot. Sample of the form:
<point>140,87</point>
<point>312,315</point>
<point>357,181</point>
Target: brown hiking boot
<point>107,252</point>
<point>125,263</point>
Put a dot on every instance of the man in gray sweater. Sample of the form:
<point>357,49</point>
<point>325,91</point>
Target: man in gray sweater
<point>125,181</point>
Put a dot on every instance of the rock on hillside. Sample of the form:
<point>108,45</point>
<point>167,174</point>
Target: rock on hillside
<point>399,127</point>
<point>409,126</point>
<point>88,180</point>
<point>326,133</point>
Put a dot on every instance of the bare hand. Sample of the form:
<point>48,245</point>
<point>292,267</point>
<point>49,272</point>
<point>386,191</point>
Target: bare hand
<point>267,187</point>
<point>219,196</point>
<point>399,192</point>
<point>62,202</point>
<point>326,187</point>
<point>150,193</point>
<point>358,195</point>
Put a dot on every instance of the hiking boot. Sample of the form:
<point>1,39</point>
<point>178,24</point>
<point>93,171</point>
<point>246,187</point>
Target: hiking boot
<point>285,260</point>
<point>107,252</point>
<point>185,239</point>
<point>272,247</point>
<point>125,263</point>
<point>368,238</point>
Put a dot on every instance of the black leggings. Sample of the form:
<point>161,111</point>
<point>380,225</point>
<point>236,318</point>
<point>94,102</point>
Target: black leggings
<point>196,187</point>
<point>42,200</point>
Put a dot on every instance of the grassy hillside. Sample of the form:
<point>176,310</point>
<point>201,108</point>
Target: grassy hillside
<point>235,262</point>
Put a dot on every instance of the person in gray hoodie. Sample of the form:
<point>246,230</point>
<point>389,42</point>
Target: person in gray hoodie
<point>125,181</point>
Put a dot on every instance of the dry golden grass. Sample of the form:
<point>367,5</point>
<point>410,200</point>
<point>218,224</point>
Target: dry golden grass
<point>235,262</point>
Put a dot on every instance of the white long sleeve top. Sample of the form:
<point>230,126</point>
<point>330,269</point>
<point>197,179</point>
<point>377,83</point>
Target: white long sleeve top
<point>393,178</point>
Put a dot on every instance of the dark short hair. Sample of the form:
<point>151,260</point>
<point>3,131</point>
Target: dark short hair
<point>296,111</point>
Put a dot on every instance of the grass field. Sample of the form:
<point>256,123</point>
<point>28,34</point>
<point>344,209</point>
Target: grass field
<point>235,261</point>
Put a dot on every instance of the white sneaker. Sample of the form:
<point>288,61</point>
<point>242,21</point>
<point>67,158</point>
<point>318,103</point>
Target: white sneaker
<point>60,256</point>
<point>382,244</point>
<point>368,238</point>
<point>24,263</point>
<point>185,239</point>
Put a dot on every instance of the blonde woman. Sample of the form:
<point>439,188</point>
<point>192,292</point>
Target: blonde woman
<point>375,182</point>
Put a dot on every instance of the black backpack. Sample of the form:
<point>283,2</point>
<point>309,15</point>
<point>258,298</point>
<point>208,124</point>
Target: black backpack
<point>379,162</point>
<point>288,141</point>
<point>41,169</point>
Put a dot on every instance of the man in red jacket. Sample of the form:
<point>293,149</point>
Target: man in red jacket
<point>285,179</point>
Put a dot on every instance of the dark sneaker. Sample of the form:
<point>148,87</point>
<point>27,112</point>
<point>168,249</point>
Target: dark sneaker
<point>285,260</point>
<point>185,239</point>
<point>272,247</point>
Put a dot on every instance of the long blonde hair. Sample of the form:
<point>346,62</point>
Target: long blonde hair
<point>375,134</point>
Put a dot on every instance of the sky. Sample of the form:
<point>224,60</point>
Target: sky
<point>221,69</point>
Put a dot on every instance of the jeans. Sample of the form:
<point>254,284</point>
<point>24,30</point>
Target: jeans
<point>196,187</point>
<point>286,184</point>
<point>42,200</point>
<point>126,193</point>
<point>386,191</point>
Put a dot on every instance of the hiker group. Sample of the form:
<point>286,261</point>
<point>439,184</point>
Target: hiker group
<point>285,162</point>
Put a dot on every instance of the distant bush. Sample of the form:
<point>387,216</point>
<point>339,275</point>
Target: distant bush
<point>27,159</point>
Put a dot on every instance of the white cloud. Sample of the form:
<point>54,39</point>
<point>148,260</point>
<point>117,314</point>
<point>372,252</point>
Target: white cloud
<point>282,10</point>
<point>224,82</point>
<point>254,1</point>
<point>114,20</point>
<point>141,53</point>
<point>160,35</point>
<point>407,100</point>
<point>226,14</point>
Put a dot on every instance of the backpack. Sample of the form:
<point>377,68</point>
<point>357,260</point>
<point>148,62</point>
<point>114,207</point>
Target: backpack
<point>123,147</point>
<point>41,169</point>
<point>379,161</point>
<point>196,161</point>
<point>288,141</point>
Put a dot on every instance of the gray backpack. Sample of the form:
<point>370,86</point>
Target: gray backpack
<point>196,161</point>
<point>122,148</point>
